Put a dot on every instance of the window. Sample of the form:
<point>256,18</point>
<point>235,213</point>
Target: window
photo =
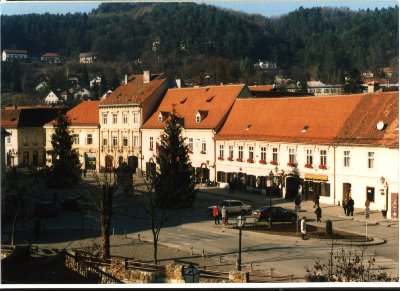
<point>124,118</point>
<point>115,140</point>
<point>104,118</point>
<point>105,141</point>
<point>190,144</point>
<point>151,142</point>
<point>291,156</point>
<point>240,152</point>
<point>275,154</point>
<point>125,141</point>
<point>198,118</point>
<point>251,152</point>
<point>230,149</point>
<point>346,158</point>
<point>89,139</point>
<point>203,144</point>
<point>35,142</point>
<point>135,141</point>
<point>25,158</point>
<point>8,139</point>
<point>135,117</point>
<point>322,157</point>
<point>160,118</point>
<point>309,157</point>
<point>115,118</point>
<point>371,194</point>
<point>371,160</point>
<point>221,150</point>
<point>75,138</point>
<point>264,153</point>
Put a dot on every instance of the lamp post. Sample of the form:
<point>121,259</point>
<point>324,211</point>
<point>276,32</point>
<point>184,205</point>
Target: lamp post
<point>191,274</point>
<point>240,222</point>
<point>271,176</point>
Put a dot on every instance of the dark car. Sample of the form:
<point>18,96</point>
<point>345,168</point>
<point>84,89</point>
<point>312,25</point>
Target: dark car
<point>44,209</point>
<point>70,203</point>
<point>278,214</point>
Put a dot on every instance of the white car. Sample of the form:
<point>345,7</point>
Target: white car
<point>232,207</point>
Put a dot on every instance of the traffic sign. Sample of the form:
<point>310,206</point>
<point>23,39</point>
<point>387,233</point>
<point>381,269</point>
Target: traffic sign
<point>367,212</point>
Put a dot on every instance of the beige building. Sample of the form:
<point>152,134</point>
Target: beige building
<point>26,145</point>
<point>84,128</point>
<point>203,111</point>
<point>122,114</point>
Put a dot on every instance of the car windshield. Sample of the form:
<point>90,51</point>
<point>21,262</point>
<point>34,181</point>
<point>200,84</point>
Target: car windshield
<point>262,208</point>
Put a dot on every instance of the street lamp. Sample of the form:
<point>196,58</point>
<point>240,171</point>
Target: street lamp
<point>191,274</point>
<point>271,176</point>
<point>240,222</point>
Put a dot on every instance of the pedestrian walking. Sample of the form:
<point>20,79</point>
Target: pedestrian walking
<point>216,215</point>
<point>344,205</point>
<point>36,228</point>
<point>316,201</point>
<point>350,206</point>
<point>318,213</point>
<point>224,215</point>
<point>303,228</point>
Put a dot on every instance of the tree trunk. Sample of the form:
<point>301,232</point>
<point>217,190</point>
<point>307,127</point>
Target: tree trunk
<point>106,213</point>
<point>105,236</point>
<point>155,246</point>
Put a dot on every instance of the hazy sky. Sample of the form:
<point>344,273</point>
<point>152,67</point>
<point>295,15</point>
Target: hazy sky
<point>266,8</point>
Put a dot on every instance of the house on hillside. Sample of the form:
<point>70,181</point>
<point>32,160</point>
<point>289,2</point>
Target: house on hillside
<point>122,114</point>
<point>203,111</point>
<point>83,94</point>
<point>85,129</point>
<point>319,89</point>
<point>95,81</point>
<point>50,58</point>
<point>52,98</point>
<point>25,146</point>
<point>331,146</point>
<point>10,55</point>
<point>87,58</point>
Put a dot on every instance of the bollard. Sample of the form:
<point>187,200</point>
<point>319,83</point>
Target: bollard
<point>191,248</point>
<point>138,236</point>
<point>203,255</point>
<point>220,258</point>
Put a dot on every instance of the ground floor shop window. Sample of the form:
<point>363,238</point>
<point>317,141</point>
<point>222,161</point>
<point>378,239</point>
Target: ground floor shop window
<point>222,177</point>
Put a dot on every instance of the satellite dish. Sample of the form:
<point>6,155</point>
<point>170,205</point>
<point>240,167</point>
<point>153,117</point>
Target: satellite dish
<point>380,125</point>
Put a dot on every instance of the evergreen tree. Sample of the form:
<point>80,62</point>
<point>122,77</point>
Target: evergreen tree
<point>174,182</point>
<point>65,170</point>
<point>353,82</point>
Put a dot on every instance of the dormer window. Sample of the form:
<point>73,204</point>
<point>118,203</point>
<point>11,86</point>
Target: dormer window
<point>198,117</point>
<point>162,116</point>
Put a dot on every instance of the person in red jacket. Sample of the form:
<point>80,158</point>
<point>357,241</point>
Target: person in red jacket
<point>216,215</point>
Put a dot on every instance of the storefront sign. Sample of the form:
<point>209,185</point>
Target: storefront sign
<point>316,177</point>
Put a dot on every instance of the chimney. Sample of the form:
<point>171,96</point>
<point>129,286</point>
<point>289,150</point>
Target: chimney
<point>178,83</point>
<point>146,77</point>
<point>126,79</point>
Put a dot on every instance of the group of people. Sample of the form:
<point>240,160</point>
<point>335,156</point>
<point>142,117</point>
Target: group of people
<point>216,214</point>
<point>348,206</point>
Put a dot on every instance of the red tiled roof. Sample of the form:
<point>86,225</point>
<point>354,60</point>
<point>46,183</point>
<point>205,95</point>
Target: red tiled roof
<point>212,102</point>
<point>23,52</point>
<point>50,55</point>
<point>85,113</point>
<point>330,119</point>
<point>135,91</point>
<point>260,88</point>
<point>28,116</point>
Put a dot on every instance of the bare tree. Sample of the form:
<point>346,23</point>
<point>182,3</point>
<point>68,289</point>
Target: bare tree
<point>352,265</point>
<point>105,198</point>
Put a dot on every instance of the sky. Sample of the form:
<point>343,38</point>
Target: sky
<point>266,8</point>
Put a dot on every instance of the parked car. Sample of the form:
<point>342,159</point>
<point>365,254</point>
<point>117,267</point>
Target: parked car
<point>278,214</point>
<point>70,203</point>
<point>44,209</point>
<point>232,207</point>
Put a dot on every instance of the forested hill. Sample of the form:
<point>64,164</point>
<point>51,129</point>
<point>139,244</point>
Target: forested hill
<point>175,37</point>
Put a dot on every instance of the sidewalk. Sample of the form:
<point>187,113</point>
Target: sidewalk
<point>329,212</point>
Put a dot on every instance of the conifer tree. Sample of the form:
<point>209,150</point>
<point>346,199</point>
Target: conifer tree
<point>174,182</point>
<point>65,170</point>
